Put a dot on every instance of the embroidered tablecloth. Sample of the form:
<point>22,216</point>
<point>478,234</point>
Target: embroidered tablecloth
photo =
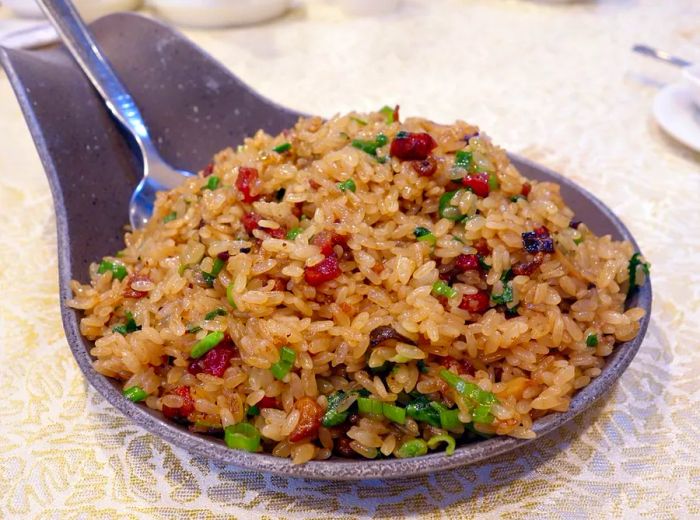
<point>555,82</point>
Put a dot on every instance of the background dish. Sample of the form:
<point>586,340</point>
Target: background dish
<point>110,152</point>
<point>676,113</point>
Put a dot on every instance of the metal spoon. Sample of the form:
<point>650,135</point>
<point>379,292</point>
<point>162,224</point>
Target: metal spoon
<point>158,175</point>
<point>661,55</point>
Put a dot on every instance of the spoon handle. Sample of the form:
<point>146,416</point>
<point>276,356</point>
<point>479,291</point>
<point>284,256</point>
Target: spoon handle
<point>661,55</point>
<point>77,38</point>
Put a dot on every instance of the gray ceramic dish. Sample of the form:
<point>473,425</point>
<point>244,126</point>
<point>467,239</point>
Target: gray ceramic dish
<point>194,108</point>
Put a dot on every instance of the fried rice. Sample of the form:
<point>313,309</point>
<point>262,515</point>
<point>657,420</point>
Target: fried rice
<point>360,287</point>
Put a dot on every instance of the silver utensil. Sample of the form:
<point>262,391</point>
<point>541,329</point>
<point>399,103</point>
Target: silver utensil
<point>661,55</point>
<point>158,175</point>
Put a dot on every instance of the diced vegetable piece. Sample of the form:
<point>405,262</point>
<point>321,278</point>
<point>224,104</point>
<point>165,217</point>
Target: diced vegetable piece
<point>464,263</point>
<point>215,270</point>
<point>193,329</point>
<point>284,147</point>
<point>493,182</point>
<point>253,411</point>
<point>170,216</point>
<point>424,235</point>
<point>213,314</point>
<point>207,343</point>
<point>326,270</point>
<point>506,295</point>
<point>370,147</point>
<point>635,263</point>
<point>592,340</point>
<point>448,439</point>
<point>482,414</point>
<point>285,363</point>
<point>358,120</point>
<point>389,114</point>
<point>369,406</point>
<point>250,222</point>
<point>310,413</point>
<point>482,399</point>
<point>449,419</point>
<point>212,183</point>
<point>293,233</point>
<point>216,361</point>
<point>475,303</point>
<point>442,289</point>
<point>347,185</point>
<point>394,413</point>
<point>412,448</point>
<point>332,417</point>
<point>409,146</point>
<point>229,295</point>
<point>478,183</point>
<point>445,208</point>
<point>464,159</point>
<point>135,394</point>
<point>117,269</point>
<point>242,436</point>
<point>421,409</point>
<point>128,327</point>
<point>247,177</point>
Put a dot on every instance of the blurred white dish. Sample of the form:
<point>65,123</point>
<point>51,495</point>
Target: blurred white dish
<point>691,79</point>
<point>218,13</point>
<point>676,113</point>
<point>89,9</point>
<point>368,7</point>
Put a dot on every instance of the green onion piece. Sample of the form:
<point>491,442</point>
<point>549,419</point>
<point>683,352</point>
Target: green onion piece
<point>412,448</point>
<point>207,343</point>
<point>212,183</point>
<point>424,235</point>
<point>394,413</point>
<point>442,289</point>
<point>135,394</point>
<point>128,327</point>
<point>215,270</point>
<point>285,363</point>
<point>181,270</point>
<point>635,262</point>
<point>370,147</point>
<point>358,120</point>
<point>421,409</point>
<point>242,436</point>
<point>493,182</point>
<point>332,417</point>
<point>293,233</point>
<point>121,329</point>
<point>193,329</point>
<point>170,216</point>
<point>213,314</point>
<point>482,414</point>
<point>449,419</point>
<point>505,297</point>
<point>117,269</point>
<point>369,406</point>
<point>446,210</point>
<point>422,367</point>
<point>467,389</point>
<point>578,240</point>
<point>464,159</point>
<point>451,443</point>
<point>253,411</point>
<point>388,114</point>
<point>347,185</point>
<point>284,147</point>
<point>592,340</point>
<point>229,295</point>
<point>482,263</point>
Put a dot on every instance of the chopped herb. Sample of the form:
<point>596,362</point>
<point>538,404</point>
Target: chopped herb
<point>455,237</point>
<point>128,327</point>
<point>347,185</point>
<point>369,406</point>
<point>229,295</point>
<point>442,289</point>
<point>424,235</point>
<point>213,314</point>
<point>293,233</point>
<point>464,159</point>
<point>448,439</point>
<point>117,269</point>
<point>482,414</point>
<point>253,411</point>
<point>358,120</point>
<point>135,394</point>
<point>284,147</point>
<point>170,216</point>
<point>332,417</point>
<point>482,399</point>
<point>493,182</point>
<point>383,159</point>
<point>279,194</point>
<point>207,343</point>
<point>578,240</point>
<point>421,409</point>
<point>388,114</point>
<point>635,262</point>
<point>212,183</point>
<point>370,147</point>
<point>412,448</point>
<point>592,340</point>
<point>446,209</point>
<point>242,436</point>
<point>449,419</point>
<point>193,329</point>
<point>422,367</point>
<point>394,413</point>
<point>482,263</point>
<point>285,363</point>
<point>215,270</point>
<point>505,297</point>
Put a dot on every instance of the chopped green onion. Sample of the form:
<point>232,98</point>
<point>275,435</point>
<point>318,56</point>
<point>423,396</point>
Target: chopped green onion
<point>464,159</point>
<point>388,114</point>
<point>394,413</point>
<point>213,314</point>
<point>482,414</point>
<point>592,340</point>
<point>128,327</point>
<point>242,436</point>
<point>412,448</point>
<point>135,394</point>
<point>117,269</point>
<point>493,182</point>
<point>481,398</point>
<point>422,367</point>
<point>193,329</point>
<point>635,262</point>
<point>578,240</point>
<point>285,363</point>
<point>332,417</point>
<point>170,216</point>
<point>451,443</point>
<point>446,209</point>
<point>369,406</point>
<point>449,419</point>
<point>370,147</point>
<point>347,185</point>
<point>215,270</point>
<point>293,233</point>
<point>181,270</point>
<point>358,120</point>
<point>421,409</point>
<point>207,343</point>
<point>253,411</point>
<point>442,289</point>
<point>482,263</point>
<point>505,297</point>
<point>212,183</point>
<point>229,295</point>
<point>424,235</point>
<point>284,147</point>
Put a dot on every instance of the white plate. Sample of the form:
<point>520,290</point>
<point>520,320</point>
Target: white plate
<point>676,114</point>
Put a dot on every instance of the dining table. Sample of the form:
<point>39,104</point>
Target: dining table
<point>553,81</point>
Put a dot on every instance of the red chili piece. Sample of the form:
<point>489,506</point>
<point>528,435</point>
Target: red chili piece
<point>476,303</point>
<point>276,233</point>
<point>216,361</point>
<point>482,247</point>
<point>527,268</point>
<point>187,406</point>
<point>250,222</point>
<point>327,269</point>
<point>396,114</point>
<point>409,146</point>
<point>478,183</point>
<point>245,181</point>
<point>310,414</point>
<point>131,293</point>
<point>467,263</point>
<point>268,402</point>
<point>208,170</point>
<point>326,240</point>
<point>525,191</point>
<point>425,168</point>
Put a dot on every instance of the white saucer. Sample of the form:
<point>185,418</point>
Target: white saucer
<point>677,115</point>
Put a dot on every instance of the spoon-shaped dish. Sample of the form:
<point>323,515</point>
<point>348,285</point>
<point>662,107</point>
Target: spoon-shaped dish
<point>195,107</point>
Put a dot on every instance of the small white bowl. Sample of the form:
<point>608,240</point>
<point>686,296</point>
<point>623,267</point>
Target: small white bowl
<point>691,78</point>
<point>218,13</point>
<point>89,9</point>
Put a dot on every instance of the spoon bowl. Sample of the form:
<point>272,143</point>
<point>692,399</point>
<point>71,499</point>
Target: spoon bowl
<point>211,111</point>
